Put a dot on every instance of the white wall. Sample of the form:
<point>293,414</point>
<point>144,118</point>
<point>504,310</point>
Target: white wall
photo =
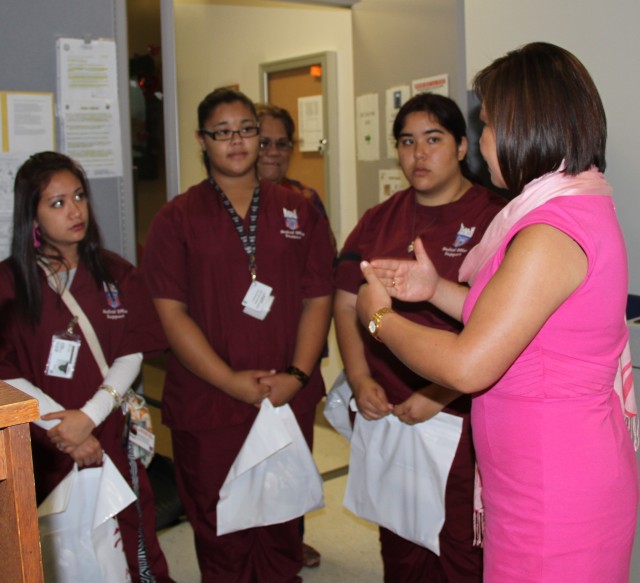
<point>604,36</point>
<point>221,44</point>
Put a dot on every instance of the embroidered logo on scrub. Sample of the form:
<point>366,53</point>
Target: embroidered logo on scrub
<point>112,295</point>
<point>463,235</point>
<point>292,225</point>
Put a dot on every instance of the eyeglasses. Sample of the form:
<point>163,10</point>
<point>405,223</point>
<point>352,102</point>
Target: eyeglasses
<point>225,135</point>
<point>282,144</point>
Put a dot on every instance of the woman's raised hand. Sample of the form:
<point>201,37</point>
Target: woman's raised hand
<point>372,296</point>
<point>407,280</point>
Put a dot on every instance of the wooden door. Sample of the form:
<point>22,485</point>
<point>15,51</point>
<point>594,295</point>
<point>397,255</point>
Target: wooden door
<point>284,89</point>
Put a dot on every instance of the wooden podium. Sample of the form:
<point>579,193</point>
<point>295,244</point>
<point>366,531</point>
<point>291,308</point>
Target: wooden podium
<point>20,558</point>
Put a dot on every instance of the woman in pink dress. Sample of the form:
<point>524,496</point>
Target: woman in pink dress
<point>544,336</point>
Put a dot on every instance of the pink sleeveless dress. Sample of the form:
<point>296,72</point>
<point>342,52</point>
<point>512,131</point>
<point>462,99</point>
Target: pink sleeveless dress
<point>559,473</point>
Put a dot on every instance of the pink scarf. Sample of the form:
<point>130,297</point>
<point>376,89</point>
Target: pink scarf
<point>536,193</point>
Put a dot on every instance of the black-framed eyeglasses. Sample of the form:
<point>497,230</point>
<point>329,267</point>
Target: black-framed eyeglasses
<point>281,144</point>
<point>225,134</point>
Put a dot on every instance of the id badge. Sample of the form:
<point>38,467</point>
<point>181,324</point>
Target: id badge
<point>63,354</point>
<point>143,438</point>
<point>258,299</point>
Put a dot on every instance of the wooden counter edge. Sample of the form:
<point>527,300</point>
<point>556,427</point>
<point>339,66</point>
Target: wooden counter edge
<point>16,407</point>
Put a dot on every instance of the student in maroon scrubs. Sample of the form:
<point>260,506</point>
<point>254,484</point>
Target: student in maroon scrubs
<point>207,250</point>
<point>54,231</point>
<point>449,213</point>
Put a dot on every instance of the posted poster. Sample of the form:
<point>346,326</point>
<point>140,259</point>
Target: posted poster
<point>438,85</point>
<point>395,97</point>
<point>310,123</point>
<point>9,164</point>
<point>88,105</point>
<point>390,182</point>
<point>26,122</point>
<point>368,127</point>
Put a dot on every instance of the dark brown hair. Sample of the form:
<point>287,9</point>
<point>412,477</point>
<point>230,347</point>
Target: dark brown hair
<point>217,97</point>
<point>266,109</point>
<point>32,178</point>
<point>445,111</point>
<point>544,108</point>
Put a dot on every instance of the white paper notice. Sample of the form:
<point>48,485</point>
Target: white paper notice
<point>438,85</point>
<point>30,122</point>
<point>9,164</point>
<point>3,147</point>
<point>89,136</point>
<point>390,182</point>
<point>89,109</point>
<point>310,123</point>
<point>396,96</point>
<point>367,127</point>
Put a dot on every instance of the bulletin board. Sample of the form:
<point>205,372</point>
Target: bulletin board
<point>29,32</point>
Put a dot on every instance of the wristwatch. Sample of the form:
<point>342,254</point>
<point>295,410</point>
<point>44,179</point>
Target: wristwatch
<point>376,322</point>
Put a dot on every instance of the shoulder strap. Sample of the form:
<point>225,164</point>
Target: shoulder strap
<point>83,321</point>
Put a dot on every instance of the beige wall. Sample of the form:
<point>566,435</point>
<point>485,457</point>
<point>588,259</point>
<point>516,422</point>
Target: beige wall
<point>222,44</point>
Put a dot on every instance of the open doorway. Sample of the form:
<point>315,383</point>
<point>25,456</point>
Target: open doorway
<point>146,102</point>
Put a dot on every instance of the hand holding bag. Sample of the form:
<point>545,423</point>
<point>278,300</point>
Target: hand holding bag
<point>79,532</point>
<point>398,474</point>
<point>273,479</point>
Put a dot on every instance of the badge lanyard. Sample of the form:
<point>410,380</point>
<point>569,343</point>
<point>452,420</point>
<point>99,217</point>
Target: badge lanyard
<point>259,298</point>
<point>248,240</point>
<point>65,346</point>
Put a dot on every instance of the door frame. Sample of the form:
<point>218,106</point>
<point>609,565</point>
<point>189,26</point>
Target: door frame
<point>328,60</point>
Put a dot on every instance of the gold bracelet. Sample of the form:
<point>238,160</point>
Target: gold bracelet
<point>116,397</point>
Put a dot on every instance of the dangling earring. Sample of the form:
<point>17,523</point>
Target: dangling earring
<point>37,235</point>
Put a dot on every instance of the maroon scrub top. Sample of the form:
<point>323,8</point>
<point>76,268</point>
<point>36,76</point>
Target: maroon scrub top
<point>194,255</point>
<point>448,232</point>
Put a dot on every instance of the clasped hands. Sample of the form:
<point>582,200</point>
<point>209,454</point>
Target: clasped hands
<point>372,403</point>
<point>253,386</point>
<point>73,436</point>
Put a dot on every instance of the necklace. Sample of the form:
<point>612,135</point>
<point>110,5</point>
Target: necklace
<point>411,247</point>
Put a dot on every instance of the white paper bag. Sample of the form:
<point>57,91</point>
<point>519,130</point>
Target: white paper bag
<point>273,479</point>
<point>398,473</point>
<point>336,407</point>
<point>79,532</point>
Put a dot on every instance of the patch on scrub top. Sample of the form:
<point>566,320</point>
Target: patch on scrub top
<point>464,235</point>
<point>291,219</point>
<point>293,225</point>
<point>112,295</point>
